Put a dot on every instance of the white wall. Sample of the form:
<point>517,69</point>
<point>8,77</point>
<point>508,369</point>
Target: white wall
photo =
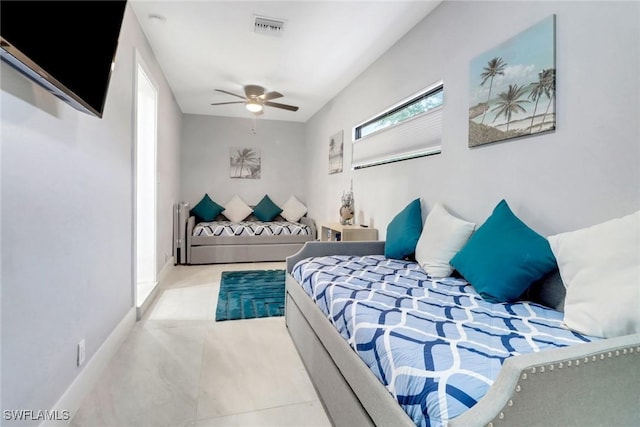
<point>167,157</point>
<point>206,142</point>
<point>585,172</point>
<point>67,223</point>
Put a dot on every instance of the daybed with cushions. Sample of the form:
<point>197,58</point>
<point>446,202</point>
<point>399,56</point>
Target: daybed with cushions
<point>238,232</point>
<point>472,331</point>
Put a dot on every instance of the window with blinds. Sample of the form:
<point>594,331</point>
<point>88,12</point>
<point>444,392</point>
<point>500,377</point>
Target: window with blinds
<point>409,129</point>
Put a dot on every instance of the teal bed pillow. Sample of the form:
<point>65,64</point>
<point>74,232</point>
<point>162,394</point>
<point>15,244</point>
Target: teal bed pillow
<point>404,231</point>
<point>504,257</point>
<point>206,209</point>
<point>266,210</point>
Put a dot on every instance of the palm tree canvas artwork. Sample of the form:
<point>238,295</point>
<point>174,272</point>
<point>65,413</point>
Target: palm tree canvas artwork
<point>513,87</point>
<point>336,151</point>
<point>244,163</point>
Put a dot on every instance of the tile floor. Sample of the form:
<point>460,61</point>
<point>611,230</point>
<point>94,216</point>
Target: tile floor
<point>178,367</point>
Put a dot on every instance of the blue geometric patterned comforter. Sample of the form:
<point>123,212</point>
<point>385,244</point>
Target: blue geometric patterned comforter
<point>436,345</point>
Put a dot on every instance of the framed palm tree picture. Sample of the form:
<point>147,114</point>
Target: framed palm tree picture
<point>513,87</point>
<point>244,163</point>
<point>336,151</point>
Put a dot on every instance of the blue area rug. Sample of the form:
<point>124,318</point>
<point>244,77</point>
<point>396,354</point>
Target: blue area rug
<point>250,294</point>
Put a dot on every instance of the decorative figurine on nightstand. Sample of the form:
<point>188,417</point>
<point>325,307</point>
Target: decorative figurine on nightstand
<point>347,210</point>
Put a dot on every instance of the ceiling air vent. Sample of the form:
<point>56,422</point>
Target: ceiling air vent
<point>269,26</point>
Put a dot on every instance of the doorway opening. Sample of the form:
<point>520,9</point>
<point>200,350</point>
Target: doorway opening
<point>145,177</point>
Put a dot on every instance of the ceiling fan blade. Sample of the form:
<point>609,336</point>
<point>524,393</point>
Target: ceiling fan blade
<point>283,106</point>
<point>229,93</point>
<point>271,95</point>
<point>224,103</point>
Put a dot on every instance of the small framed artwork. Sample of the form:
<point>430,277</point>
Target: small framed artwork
<point>513,87</point>
<point>244,163</point>
<point>336,152</point>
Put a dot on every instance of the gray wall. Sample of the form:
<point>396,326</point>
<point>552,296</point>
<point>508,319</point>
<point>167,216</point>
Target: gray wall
<point>206,142</point>
<point>583,173</point>
<point>67,225</point>
<point>168,159</point>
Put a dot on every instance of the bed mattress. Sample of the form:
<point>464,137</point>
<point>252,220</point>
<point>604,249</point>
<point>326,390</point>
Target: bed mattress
<point>251,228</point>
<point>436,345</point>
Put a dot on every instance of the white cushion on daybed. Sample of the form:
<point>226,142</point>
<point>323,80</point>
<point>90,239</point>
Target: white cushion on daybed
<point>293,209</point>
<point>443,235</point>
<point>600,267</point>
<point>236,209</point>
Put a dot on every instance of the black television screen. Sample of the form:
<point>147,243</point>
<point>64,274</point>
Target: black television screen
<point>66,46</point>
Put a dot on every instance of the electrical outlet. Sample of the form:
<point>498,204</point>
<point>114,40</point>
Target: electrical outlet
<point>81,352</point>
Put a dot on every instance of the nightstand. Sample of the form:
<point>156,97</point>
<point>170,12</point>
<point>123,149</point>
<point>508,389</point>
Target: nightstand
<point>334,231</point>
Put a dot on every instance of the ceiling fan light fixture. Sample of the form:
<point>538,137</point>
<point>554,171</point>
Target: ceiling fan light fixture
<point>254,106</point>
<point>256,98</point>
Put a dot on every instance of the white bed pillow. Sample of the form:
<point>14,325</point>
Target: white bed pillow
<point>443,235</point>
<point>236,209</point>
<point>293,209</point>
<point>600,267</point>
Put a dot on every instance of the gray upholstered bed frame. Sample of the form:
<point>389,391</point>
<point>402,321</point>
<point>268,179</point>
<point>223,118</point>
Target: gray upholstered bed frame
<point>230,249</point>
<point>593,384</point>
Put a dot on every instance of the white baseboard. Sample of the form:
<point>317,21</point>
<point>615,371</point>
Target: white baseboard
<point>166,269</point>
<point>87,378</point>
<point>142,309</point>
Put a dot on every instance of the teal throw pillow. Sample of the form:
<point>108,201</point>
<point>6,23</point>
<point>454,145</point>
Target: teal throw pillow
<point>504,257</point>
<point>206,209</point>
<point>266,210</point>
<point>404,231</point>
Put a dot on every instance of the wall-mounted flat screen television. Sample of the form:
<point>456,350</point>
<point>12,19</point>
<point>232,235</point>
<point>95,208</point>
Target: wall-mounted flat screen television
<point>68,47</point>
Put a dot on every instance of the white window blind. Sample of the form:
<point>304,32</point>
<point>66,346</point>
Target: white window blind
<point>416,136</point>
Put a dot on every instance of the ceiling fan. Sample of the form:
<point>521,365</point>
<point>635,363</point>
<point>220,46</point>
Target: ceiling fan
<point>256,98</point>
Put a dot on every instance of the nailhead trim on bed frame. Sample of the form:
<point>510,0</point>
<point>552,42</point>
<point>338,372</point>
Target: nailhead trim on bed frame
<point>560,365</point>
